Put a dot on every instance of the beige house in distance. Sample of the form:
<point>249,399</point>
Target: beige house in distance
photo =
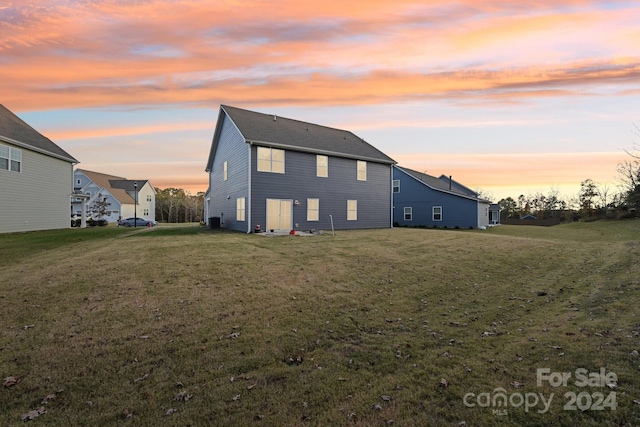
<point>36,178</point>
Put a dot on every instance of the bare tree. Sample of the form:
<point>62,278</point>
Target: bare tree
<point>629,173</point>
<point>604,192</point>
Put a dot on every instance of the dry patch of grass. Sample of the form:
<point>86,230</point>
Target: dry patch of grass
<point>186,326</point>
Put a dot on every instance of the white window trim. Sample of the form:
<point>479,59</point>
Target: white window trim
<point>433,213</point>
<point>393,185</point>
<point>409,211</point>
<point>225,171</point>
<point>12,155</point>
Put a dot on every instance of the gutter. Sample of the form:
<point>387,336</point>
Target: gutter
<point>39,150</point>
<point>318,151</point>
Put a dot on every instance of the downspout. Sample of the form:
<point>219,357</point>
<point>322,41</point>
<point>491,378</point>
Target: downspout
<point>391,196</point>
<point>248,207</point>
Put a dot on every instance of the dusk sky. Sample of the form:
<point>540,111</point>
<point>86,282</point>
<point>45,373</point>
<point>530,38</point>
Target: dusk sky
<point>511,97</point>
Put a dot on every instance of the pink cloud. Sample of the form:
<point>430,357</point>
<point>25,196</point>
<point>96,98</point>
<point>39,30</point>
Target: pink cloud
<point>151,52</point>
<point>518,170</point>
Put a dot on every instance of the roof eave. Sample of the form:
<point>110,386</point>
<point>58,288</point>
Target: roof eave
<point>38,150</point>
<point>319,151</point>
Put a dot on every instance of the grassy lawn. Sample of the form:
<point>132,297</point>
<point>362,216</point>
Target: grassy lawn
<point>406,327</point>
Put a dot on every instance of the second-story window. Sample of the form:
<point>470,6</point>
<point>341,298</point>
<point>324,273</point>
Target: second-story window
<point>10,158</point>
<point>322,166</point>
<point>362,170</point>
<point>270,160</point>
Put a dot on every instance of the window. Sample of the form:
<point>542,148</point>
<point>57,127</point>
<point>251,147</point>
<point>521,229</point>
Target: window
<point>4,157</point>
<point>240,209</point>
<point>148,197</point>
<point>352,210</point>
<point>78,181</point>
<point>16,160</point>
<point>10,158</point>
<point>362,170</point>
<point>270,160</point>
<point>408,213</point>
<point>224,171</point>
<point>145,212</point>
<point>437,213</point>
<point>313,209</point>
<point>322,166</point>
<point>396,185</point>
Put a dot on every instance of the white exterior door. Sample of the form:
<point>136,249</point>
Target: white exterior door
<point>279,214</point>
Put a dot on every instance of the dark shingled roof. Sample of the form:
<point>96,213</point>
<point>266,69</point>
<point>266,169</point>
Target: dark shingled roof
<point>276,131</point>
<point>442,184</point>
<point>128,184</point>
<point>14,130</point>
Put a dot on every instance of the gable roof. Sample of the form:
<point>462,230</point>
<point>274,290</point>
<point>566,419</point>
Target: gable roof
<point>280,132</point>
<point>443,184</point>
<point>116,185</point>
<point>15,131</point>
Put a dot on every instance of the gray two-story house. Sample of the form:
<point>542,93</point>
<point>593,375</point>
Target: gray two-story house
<point>282,174</point>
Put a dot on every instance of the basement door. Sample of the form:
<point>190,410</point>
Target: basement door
<point>279,214</point>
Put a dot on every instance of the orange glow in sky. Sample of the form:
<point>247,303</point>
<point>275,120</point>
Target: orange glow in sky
<point>509,97</point>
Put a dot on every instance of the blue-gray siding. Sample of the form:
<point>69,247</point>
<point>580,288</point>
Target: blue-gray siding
<point>300,182</point>
<point>223,194</point>
<point>457,211</point>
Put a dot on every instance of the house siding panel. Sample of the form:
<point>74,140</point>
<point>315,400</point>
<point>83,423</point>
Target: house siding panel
<point>144,203</point>
<point>233,149</point>
<point>300,182</point>
<point>456,211</point>
<point>38,197</point>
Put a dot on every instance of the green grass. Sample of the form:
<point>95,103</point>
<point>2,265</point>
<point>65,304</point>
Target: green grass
<point>603,230</point>
<point>358,329</point>
<point>15,246</point>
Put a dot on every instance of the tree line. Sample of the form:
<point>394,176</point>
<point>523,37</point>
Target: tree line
<point>592,201</point>
<point>178,205</point>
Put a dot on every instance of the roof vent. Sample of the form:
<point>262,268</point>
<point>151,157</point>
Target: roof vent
<point>275,118</point>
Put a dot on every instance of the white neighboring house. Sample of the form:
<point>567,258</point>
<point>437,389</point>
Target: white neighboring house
<point>36,178</point>
<point>120,193</point>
